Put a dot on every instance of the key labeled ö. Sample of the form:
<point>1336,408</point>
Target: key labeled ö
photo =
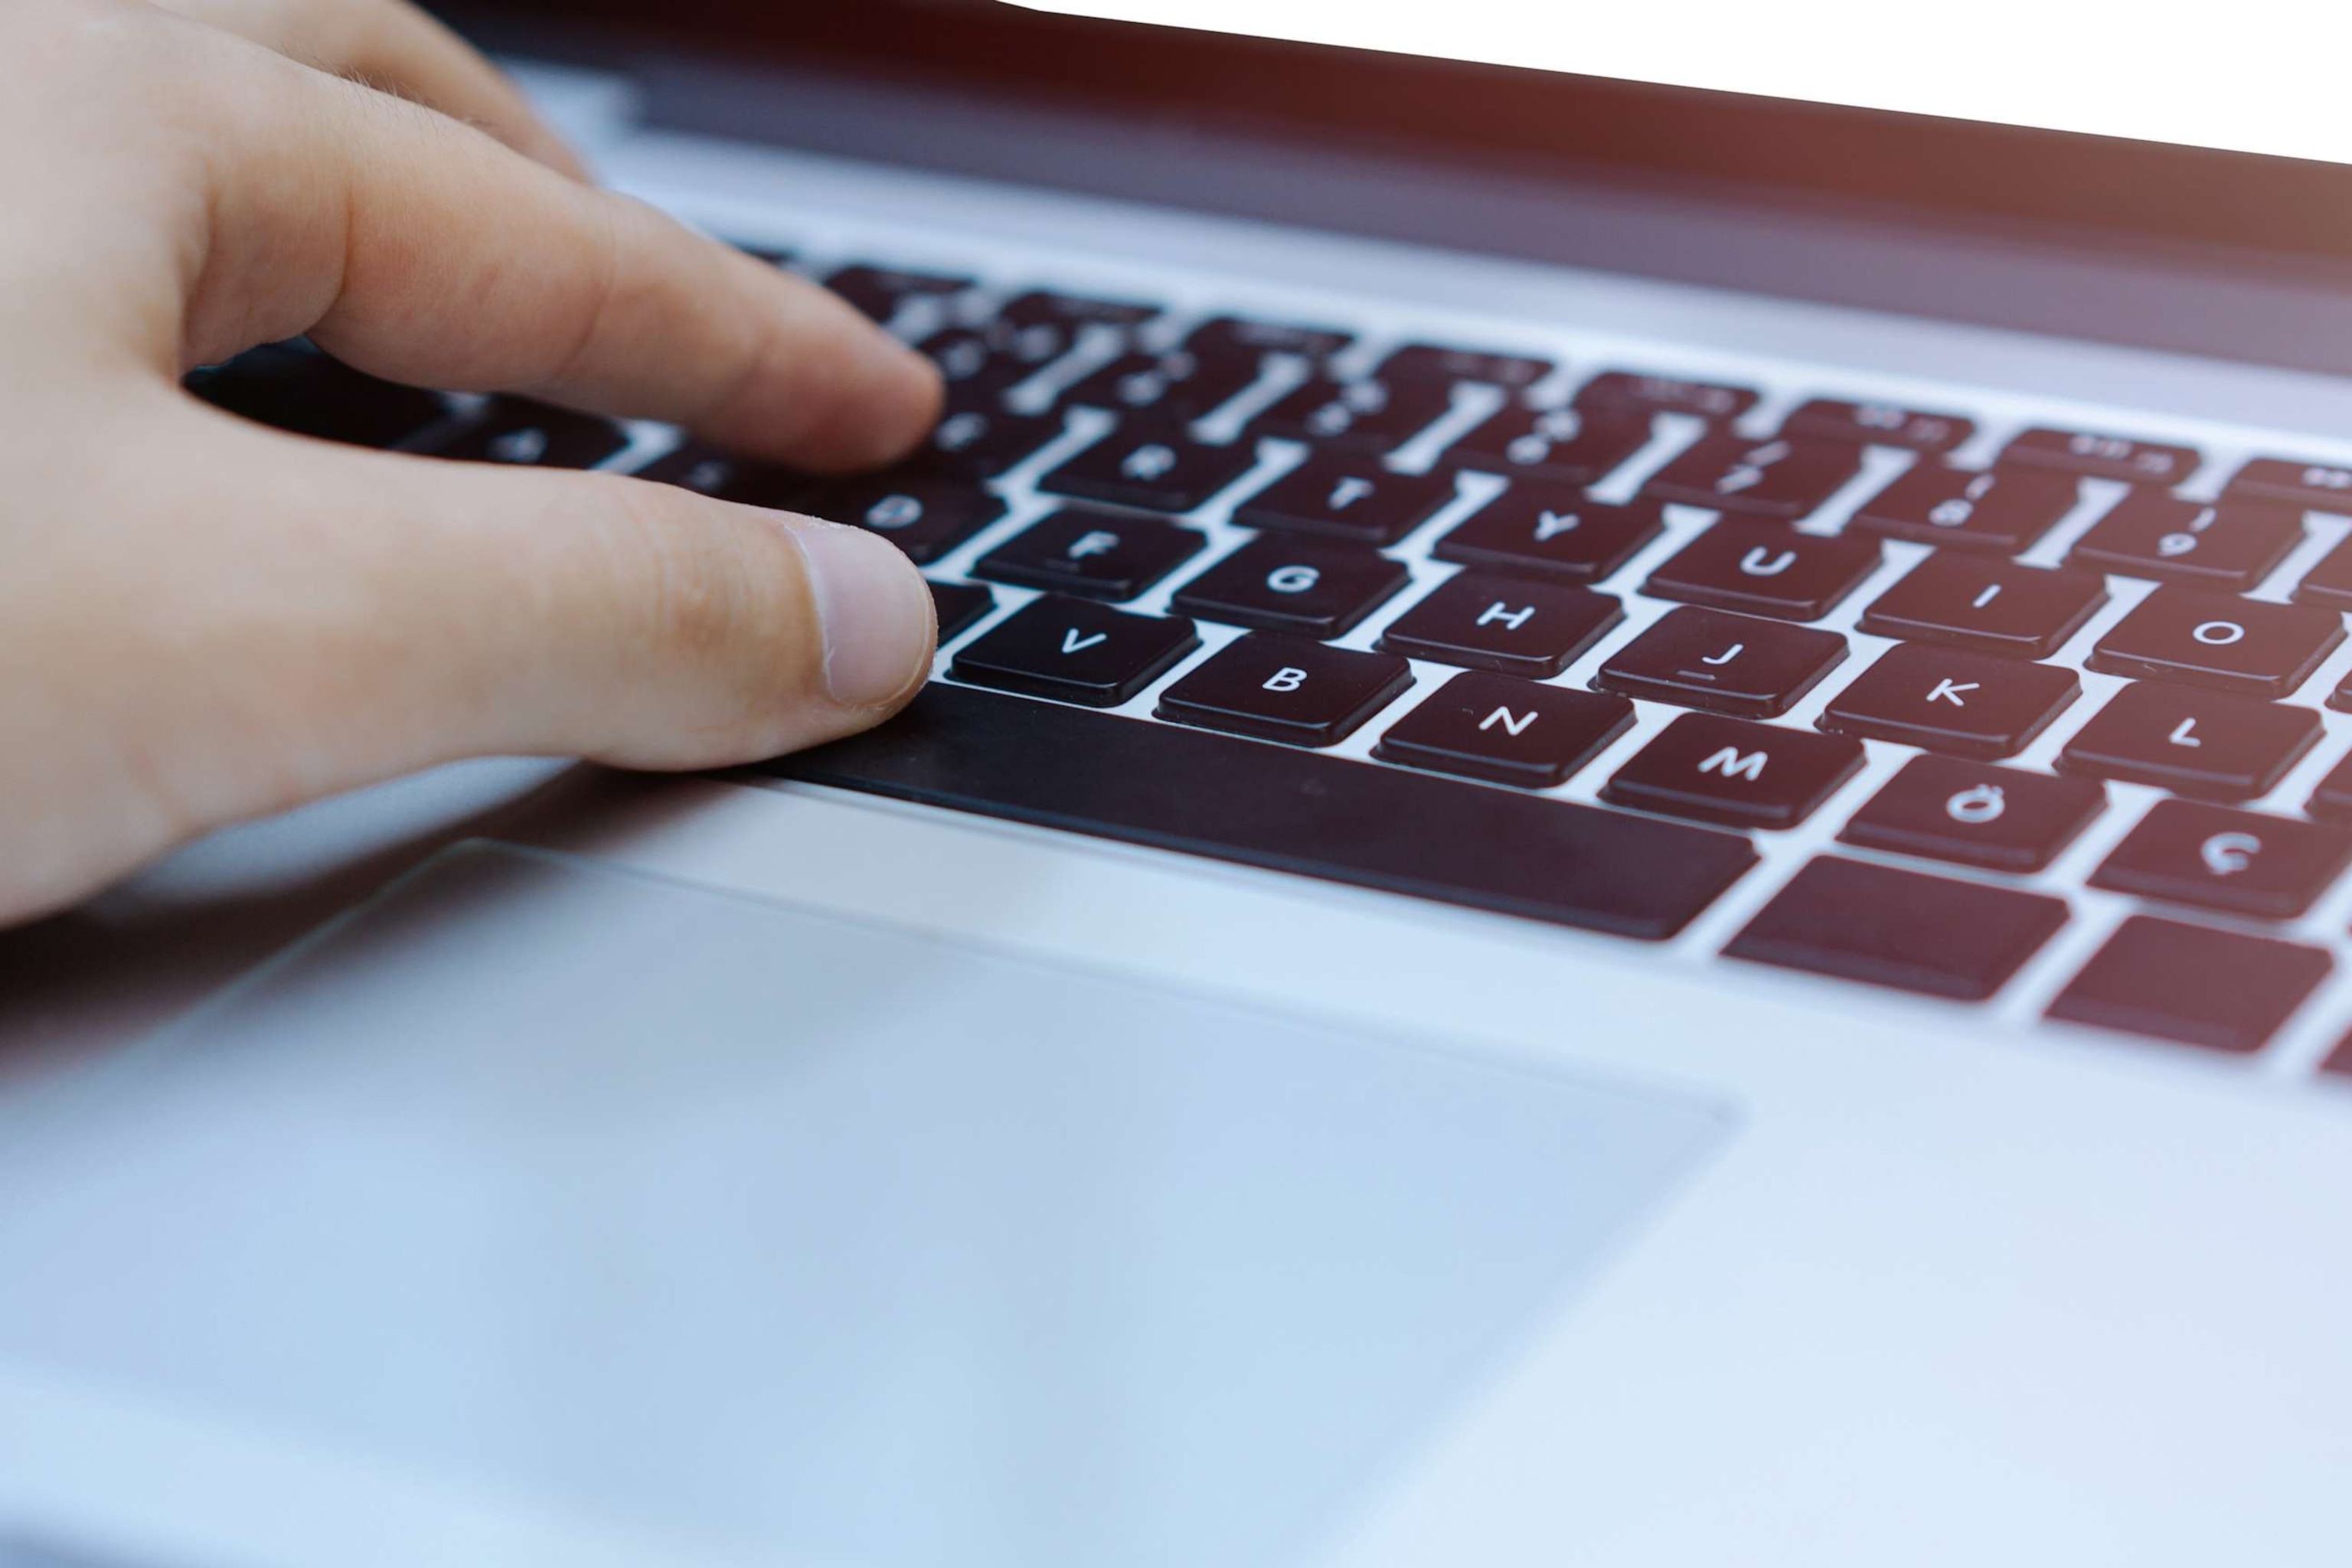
<point>1517,625</point>
<point>1971,814</point>
<point>1279,688</point>
<point>1736,773</point>
<point>1949,699</point>
<point>1505,731</point>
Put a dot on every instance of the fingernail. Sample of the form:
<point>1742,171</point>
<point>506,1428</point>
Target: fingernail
<point>875,611</point>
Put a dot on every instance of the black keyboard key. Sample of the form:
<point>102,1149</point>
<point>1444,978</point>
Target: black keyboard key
<point>1232,337</point>
<point>2192,985</point>
<point>1553,531</point>
<point>2102,456</point>
<point>1761,569</point>
<point>924,517</point>
<point>1174,385</point>
<point>2152,534</point>
<point>2332,801</point>
<point>1159,469</point>
<point>1348,497</point>
<point>1951,700</point>
<point>1735,772</point>
<point>1357,416</point>
<point>1429,361</point>
<point>2328,585</point>
<point>975,442</point>
<point>1665,394</point>
<point>1975,814</point>
<point>1517,625</point>
<point>1300,585</point>
<point>722,476</point>
<point>1505,731</point>
<point>2192,743</point>
<point>1280,687</point>
<point>1723,663</point>
<point>973,367</point>
<point>1174,788</point>
<point>2319,487</point>
<point>1878,425</point>
<point>1076,651</point>
<point>880,291</point>
<point>1779,478</point>
<point>1904,930</point>
<point>2240,862</point>
<point>2003,511</point>
<point>1099,555</point>
<point>1042,308</point>
<point>961,606</point>
<point>1988,605</point>
<point>297,388</point>
<point>1571,446</point>
<point>2212,639</point>
<point>524,432</point>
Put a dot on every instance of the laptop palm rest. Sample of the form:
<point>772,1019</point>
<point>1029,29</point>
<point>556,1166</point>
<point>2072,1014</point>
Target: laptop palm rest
<point>773,1231</point>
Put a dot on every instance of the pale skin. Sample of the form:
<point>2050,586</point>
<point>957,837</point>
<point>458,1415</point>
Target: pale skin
<point>203,621</point>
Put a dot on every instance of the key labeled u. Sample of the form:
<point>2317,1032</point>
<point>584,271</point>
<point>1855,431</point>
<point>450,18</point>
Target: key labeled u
<point>1761,561</point>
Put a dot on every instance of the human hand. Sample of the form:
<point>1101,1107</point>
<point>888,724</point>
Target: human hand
<point>202,620</point>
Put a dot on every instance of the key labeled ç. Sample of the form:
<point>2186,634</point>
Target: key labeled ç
<point>2216,858</point>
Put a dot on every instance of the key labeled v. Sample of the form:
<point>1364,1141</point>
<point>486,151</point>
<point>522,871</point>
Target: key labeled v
<point>1073,642</point>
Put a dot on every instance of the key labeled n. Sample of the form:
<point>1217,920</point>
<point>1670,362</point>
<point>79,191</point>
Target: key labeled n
<point>1517,723</point>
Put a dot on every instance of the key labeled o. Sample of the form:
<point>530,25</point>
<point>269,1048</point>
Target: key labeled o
<point>2219,634</point>
<point>1293,579</point>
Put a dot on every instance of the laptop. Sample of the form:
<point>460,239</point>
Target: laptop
<point>1628,850</point>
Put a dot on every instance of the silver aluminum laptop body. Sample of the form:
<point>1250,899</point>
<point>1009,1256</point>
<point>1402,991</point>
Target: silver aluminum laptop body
<point>527,1166</point>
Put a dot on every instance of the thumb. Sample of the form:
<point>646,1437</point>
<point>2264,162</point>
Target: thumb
<point>329,618</point>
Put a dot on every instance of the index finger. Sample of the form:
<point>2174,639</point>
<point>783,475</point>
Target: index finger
<point>421,250</point>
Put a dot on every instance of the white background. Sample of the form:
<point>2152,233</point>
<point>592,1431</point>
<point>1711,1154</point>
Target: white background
<point>2259,76</point>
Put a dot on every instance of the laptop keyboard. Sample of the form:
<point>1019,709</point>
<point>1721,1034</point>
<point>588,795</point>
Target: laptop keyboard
<point>1575,642</point>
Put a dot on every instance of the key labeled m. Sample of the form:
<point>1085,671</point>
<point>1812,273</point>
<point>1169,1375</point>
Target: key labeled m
<point>1732,765</point>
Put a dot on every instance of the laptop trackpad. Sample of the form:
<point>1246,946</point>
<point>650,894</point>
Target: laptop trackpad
<point>762,1228</point>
